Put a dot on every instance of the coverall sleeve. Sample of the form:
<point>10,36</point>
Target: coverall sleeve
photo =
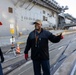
<point>1,55</point>
<point>28,45</point>
<point>54,38</point>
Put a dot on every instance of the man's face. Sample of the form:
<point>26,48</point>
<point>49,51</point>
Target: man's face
<point>38,26</point>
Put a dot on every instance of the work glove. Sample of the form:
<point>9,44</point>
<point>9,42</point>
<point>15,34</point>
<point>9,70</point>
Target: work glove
<point>26,56</point>
<point>2,59</point>
<point>61,36</point>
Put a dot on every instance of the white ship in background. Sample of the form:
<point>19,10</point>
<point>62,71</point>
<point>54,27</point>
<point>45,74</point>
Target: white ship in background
<point>22,13</point>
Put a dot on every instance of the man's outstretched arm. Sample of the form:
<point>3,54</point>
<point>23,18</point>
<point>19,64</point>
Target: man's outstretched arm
<point>54,38</point>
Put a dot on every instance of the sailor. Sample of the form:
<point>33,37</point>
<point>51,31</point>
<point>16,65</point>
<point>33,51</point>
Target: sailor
<point>2,60</point>
<point>38,43</point>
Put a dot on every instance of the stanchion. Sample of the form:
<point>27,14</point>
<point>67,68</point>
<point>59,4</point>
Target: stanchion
<point>12,46</point>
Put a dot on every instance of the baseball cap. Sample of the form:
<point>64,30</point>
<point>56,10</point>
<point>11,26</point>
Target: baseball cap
<point>38,21</point>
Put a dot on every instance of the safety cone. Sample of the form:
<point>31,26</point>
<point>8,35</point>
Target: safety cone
<point>18,49</point>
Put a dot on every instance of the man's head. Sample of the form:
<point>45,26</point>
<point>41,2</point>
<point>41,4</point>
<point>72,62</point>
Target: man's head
<point>38,24</point>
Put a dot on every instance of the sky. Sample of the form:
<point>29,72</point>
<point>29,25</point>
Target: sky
<point>71,5</point>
